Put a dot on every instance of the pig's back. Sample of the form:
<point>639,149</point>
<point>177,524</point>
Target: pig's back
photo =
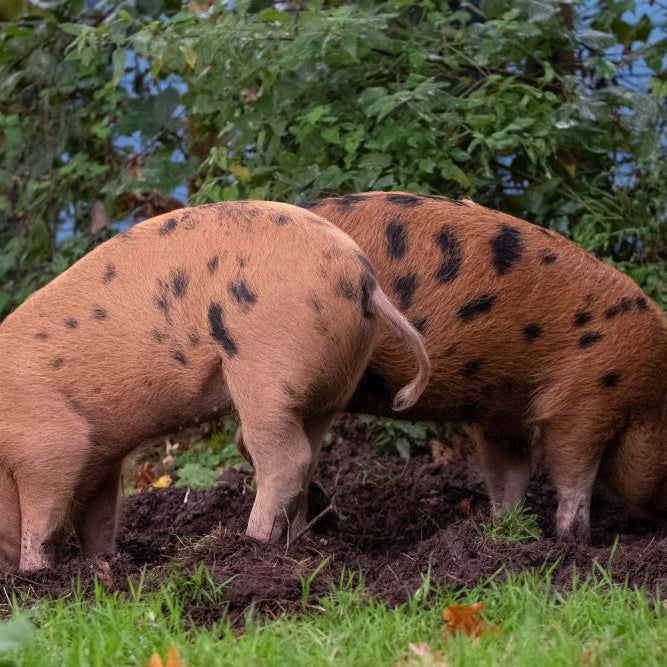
<point>506,308</point>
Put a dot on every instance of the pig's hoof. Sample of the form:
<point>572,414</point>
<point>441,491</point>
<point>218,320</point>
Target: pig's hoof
<point>576,534</point>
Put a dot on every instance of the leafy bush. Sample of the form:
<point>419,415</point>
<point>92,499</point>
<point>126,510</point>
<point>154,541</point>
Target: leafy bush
<point>393,435</point>
<point>529,106</point>
<point>200,465</point>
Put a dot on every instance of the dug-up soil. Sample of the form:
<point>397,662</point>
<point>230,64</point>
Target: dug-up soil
<point>395,521</point>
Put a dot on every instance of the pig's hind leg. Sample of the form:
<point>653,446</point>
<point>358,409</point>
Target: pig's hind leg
<point>573,442</point>
<point>281,454</point>
<point>97,520</point>
<point>506,465</point>
<point>47,473</point>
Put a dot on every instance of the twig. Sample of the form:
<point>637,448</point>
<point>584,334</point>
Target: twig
<point>317,519</point>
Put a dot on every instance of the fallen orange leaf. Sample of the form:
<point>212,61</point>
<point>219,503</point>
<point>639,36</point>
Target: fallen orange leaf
<point>144,476</point>
<point>173,659</point>
<point>461,618</point>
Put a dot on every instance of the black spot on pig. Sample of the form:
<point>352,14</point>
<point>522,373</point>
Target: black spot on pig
<point>179,283</point>
<point>314,304</point>
<point>99,313</point>
<point>478,306</point>
<point>241,261</point>
<point>641,302</point>
<point>109,273</point>
<point>532,332</point>
<point>219,331</point>
<point>312,204</point>
<point>280,219</point>
<point>405,288</point>
<point>396,240</point>
<point>420,324</point>
<point>345,289</point>
<point>610,380</point>
<point>57,362</point>
<point>177,355</point>
<point>97,390</point>
<point>472,368</point>
<point>590,339</point>
<point>168,227</point>
<point>368,285</point>
<point>212,264</point>
<point>623,306</point>
<point>71,323</point>
<point>408,201</point>
<point>507,247</point>
<point>193,338</point>
<point>330,253</point>
<point>163,306</point>
<point>159,336</point>
<point>190,221</point>
<point>451,350</point>
<point>42,335</point>
<point>450,247</point>
<point>548,257</point>
<point>582,318</point>
<point>348,201</point>
<point>242,294</point>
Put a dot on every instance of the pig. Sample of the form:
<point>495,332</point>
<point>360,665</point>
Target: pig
<point>260,309</point>
<point>535,344</point>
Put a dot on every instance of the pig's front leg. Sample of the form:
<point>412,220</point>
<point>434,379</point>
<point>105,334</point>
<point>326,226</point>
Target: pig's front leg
<point>10,521</point>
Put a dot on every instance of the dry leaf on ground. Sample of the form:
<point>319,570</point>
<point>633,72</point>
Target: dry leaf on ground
<point>162,482</point>
<point>424,656</point>
<point>173,659</point>
<point>442,454</point>
<point>466,619</point>
<point>144,476</point>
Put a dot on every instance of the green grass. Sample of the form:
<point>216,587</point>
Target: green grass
<point>517,524</point>
<point>597,623</point>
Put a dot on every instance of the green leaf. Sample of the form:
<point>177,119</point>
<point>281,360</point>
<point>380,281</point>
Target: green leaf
<point>118,58</point>
<point>196,476</point>
<point>403,447</point>
<point>595,39</point>
<point>75,29</point>
<point>164,105</point>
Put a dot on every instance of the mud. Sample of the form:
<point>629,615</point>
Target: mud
<point>395,521</point>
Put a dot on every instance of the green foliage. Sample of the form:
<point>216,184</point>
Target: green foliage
<point>200,465</point>
<point>525,106</point>
<point>197,476</point>
<point>394,435</point>
<point>16,633</point>
<point>597,623</point>
<point>517,524</point>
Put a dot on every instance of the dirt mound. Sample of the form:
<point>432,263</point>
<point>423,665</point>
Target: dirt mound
<point>396,521</point>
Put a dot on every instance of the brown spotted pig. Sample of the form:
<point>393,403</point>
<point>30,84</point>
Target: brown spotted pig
<point>258,308</point>
<point>533,342</point>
